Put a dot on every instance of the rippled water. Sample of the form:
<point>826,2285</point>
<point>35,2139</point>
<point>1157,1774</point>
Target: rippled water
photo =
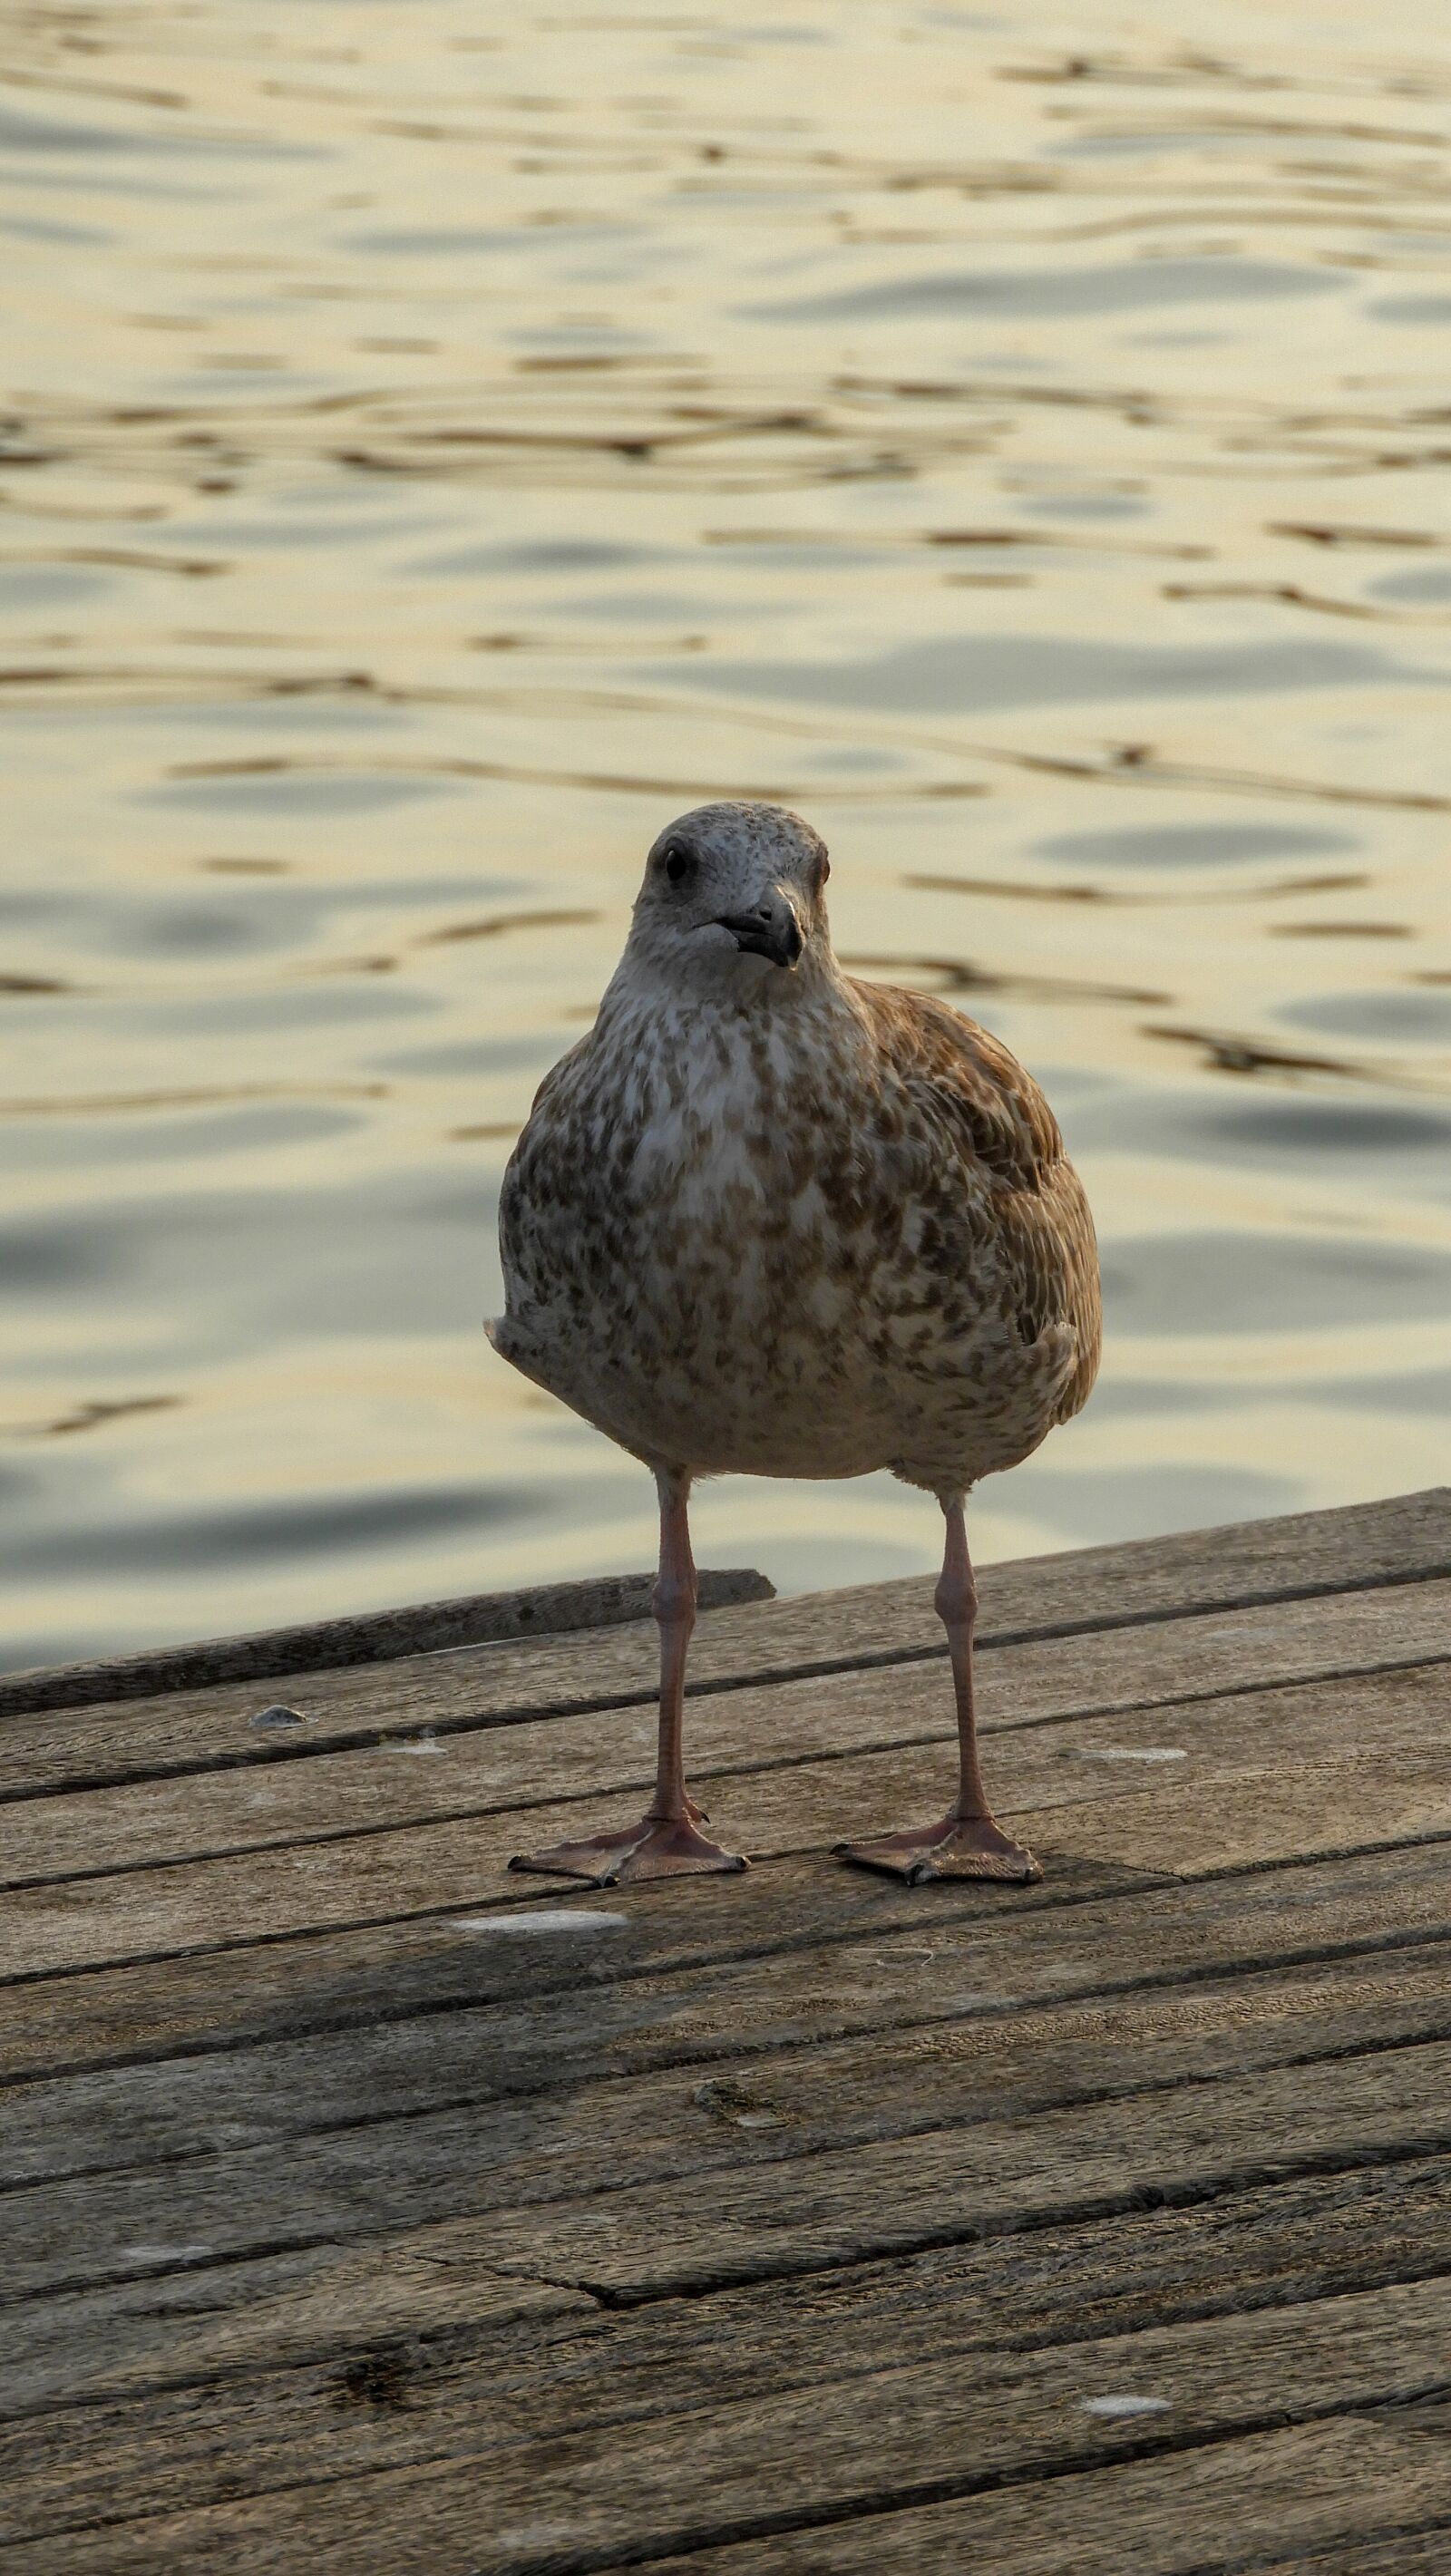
<point>442,443</point>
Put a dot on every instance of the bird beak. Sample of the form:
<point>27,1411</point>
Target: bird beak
<point>772,930</point>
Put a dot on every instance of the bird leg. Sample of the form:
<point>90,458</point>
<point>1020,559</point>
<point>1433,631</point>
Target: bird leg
<point>667,1842</point>
<point>968,1843</point>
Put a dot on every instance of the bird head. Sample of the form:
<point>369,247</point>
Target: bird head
<point>733,898</point>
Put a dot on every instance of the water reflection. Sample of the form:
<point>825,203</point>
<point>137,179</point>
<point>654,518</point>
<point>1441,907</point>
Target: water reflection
<point>436,450</point>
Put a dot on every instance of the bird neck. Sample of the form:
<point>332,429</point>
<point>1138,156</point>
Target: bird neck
<point>730,990</point>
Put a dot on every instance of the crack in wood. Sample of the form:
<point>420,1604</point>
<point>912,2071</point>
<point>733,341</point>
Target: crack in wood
<point>949,2176</point>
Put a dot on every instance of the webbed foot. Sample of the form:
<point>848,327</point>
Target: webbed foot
<point>657,1847</point>
<point>958,1847</point>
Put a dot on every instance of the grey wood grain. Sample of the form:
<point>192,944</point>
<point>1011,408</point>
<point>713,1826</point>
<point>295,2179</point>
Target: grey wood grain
<point>423,1775</point>
<point>366,2357</point>
<point>943,2187</point>
<point>780,2112</point>
<point>1425,2552</point>
<point>922,2433</point>
<point>1321,1766</point>
<point>422,1964</point>
<point>701,2199</point>
<point>274,2315</point>
<point>646,2077</point>
<point>778,2221</point>
<point>1300,1556</point>
<point>378,1636</point>
<point>130,2402</point>
<point>1226,2506</point>
<point>202,2000</point>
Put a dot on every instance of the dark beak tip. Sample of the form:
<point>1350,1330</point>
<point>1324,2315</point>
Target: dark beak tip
<point>781,941</point>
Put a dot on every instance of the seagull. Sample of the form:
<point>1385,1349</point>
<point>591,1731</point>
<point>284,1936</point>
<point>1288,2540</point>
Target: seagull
<point>768,1220</point>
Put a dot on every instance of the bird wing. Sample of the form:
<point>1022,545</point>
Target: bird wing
<point>995,1152</point>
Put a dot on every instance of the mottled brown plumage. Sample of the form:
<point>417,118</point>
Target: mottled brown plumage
<point>767,1219</point>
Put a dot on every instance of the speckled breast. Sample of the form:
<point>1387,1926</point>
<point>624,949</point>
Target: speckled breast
<point>665,1270</point>
<point>712,1262</point>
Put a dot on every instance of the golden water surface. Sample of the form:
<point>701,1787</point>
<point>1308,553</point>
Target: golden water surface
<point>442,441</point>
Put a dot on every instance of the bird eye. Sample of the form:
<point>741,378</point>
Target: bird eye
<point>677,861</point>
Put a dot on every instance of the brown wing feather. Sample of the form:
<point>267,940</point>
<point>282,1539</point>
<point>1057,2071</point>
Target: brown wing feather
<point>999,1133</point>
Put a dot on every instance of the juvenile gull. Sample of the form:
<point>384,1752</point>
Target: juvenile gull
<point>767,1220</point>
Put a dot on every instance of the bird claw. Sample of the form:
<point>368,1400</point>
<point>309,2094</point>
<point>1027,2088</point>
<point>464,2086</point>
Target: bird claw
<point>959,1847</point>
<point>654,1848</point>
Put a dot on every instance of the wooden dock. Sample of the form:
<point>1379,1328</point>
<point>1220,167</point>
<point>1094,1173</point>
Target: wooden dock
<point>368,2209</point>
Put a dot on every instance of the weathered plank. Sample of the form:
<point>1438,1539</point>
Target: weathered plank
<point>916,2434</point>
<point>941,2029</point>
<point>668,2126</point>
<point>1254,1563</point>
<point>316,2307</point>
<point>135,1824</point>
<point>270,1988</point>
<point>1323,1766</point>
<point>692,2224</point>
<point>903,2195</point>
<point>422,1963</point>
<point>1425,2552</point>
<point>365,2357</point>
<point>779,2215</point>
<point>378,1636</point>
<point>1368,2486</point>
<point>411,2319</point>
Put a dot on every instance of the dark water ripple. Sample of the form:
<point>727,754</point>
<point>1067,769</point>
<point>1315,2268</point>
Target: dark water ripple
<point>425,465</point>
